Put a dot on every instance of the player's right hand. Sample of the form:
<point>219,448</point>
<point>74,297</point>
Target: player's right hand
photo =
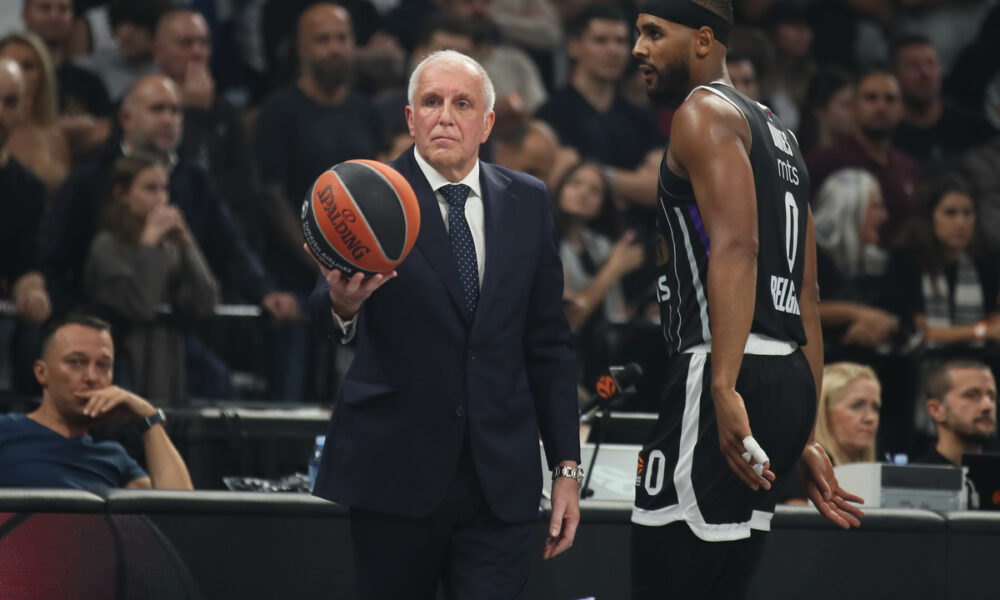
<point>734,428</point>
<point>825,492</point>
<point>347,294</point>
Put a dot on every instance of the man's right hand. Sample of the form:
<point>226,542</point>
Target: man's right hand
<point>347,294</point>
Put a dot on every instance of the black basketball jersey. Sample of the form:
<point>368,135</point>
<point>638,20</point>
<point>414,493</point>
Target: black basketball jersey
<point>683,249</point>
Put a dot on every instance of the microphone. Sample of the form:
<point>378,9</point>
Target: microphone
<point>618,383</point>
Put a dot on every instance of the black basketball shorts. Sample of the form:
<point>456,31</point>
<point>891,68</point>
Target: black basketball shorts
<point>682,474</point>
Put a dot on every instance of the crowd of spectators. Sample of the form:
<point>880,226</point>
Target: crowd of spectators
<point>155,154</point>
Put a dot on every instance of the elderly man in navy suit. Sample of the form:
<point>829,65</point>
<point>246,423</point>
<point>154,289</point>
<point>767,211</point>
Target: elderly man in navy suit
<point>463,359</point>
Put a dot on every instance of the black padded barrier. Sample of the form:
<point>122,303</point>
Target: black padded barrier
<point>208,544</point>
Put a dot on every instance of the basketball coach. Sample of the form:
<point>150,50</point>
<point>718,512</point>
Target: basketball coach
<point>463,359</point>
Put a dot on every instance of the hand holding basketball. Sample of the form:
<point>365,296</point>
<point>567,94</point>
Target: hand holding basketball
<point>348,293</point>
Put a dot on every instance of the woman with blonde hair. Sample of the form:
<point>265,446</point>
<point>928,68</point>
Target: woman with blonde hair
<point>38,142</point>
<point>847,418</point>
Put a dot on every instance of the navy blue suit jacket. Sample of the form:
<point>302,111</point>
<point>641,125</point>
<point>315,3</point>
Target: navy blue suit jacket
<point>425,371</point>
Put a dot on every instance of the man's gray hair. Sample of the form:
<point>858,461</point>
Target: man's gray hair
<point>452,57</point>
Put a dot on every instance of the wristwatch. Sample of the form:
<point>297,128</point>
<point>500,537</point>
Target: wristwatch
<point>571,472</point>
<point>144,424</point>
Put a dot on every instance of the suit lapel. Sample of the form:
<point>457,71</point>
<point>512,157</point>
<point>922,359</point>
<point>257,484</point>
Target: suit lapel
<point>433,239</point>
<point>499,211</point>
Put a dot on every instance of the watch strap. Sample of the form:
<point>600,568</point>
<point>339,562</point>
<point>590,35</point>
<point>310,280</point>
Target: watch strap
<point>144,425</point>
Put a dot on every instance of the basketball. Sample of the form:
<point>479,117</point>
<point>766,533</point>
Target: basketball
<point>360,215</point>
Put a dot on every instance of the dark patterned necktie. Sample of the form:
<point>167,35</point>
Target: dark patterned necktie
<point>461,243</point>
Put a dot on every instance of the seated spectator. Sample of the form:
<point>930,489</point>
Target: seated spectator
<point>877,113</point>
<point>847,416</point>
<point>132,25</point>
<point>143,258</point>
<point>935,132</point>
<point>592,117</point>
<point>22,198</point>
<point>21,203</point>
<point>593,265</point>
<point>77,90</point>
<point>743,74</point>
<point>827,114</point>
<point>790,32</point>
<point>533,148</point>
<point>962,401</point>
<point>981,169</point>
<point>850,267</point>
<point>516,79</point>
<point>38,143</point>
<point>51,446</point>
<point>440,31</point>
<point>293,144</point>
<point>847,421</point>
<point>947,283</point>
<point>213,128</point>
<point>151,121</point>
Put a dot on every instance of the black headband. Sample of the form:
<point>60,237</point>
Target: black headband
<point>689,14</point>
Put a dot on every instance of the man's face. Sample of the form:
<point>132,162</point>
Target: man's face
<point>476,12</point>
<point>181,41</point>
<point>663,54</point>
<point>877,105</point>
<point>152,116</point>
<point>326,46</point>
<point>448,119</point>
<point>602,50</point>
<point>970,406</point>
<point>11,99</point>
<point>744,77</point>
<point>50,19</point>
<point>77,359</point>
<point>919,72</point>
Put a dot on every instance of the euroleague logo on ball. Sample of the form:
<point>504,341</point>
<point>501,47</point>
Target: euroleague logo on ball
<point>360,215</point>
<point>341,219</point>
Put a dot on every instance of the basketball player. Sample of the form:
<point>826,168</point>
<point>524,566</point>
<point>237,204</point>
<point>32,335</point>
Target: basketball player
<point>736,284</point>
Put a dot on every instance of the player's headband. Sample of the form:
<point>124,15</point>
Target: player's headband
<point>689,14</point>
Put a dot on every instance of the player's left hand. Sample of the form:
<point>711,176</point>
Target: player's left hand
<point>745,457</point>
<point>824,491</point>
<point>113,401</point>
<point>565,516</point>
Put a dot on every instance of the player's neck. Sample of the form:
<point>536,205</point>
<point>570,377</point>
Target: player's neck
<point>599,93</point>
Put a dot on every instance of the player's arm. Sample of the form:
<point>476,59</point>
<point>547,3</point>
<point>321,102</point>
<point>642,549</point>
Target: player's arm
<point>711,145</point>
<point>821,484</point>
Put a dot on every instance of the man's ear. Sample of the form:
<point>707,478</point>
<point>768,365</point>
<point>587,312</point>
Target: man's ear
<point>936,409</point>
<point>41,372</point>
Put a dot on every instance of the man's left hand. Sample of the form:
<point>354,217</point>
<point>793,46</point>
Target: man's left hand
<point>565,516</point>
<point>114,401</point>
<point>822,488</point>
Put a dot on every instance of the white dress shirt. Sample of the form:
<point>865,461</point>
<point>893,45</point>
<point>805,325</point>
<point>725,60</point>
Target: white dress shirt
<point>474,214</point>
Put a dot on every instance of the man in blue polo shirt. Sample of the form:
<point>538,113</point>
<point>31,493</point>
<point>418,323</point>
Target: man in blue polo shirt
<point>50,447</point>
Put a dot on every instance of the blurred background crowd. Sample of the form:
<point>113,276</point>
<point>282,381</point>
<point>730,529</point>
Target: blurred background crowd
<point>155,154</point>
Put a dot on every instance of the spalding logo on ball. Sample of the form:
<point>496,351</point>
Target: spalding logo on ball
<point>361,215</point>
